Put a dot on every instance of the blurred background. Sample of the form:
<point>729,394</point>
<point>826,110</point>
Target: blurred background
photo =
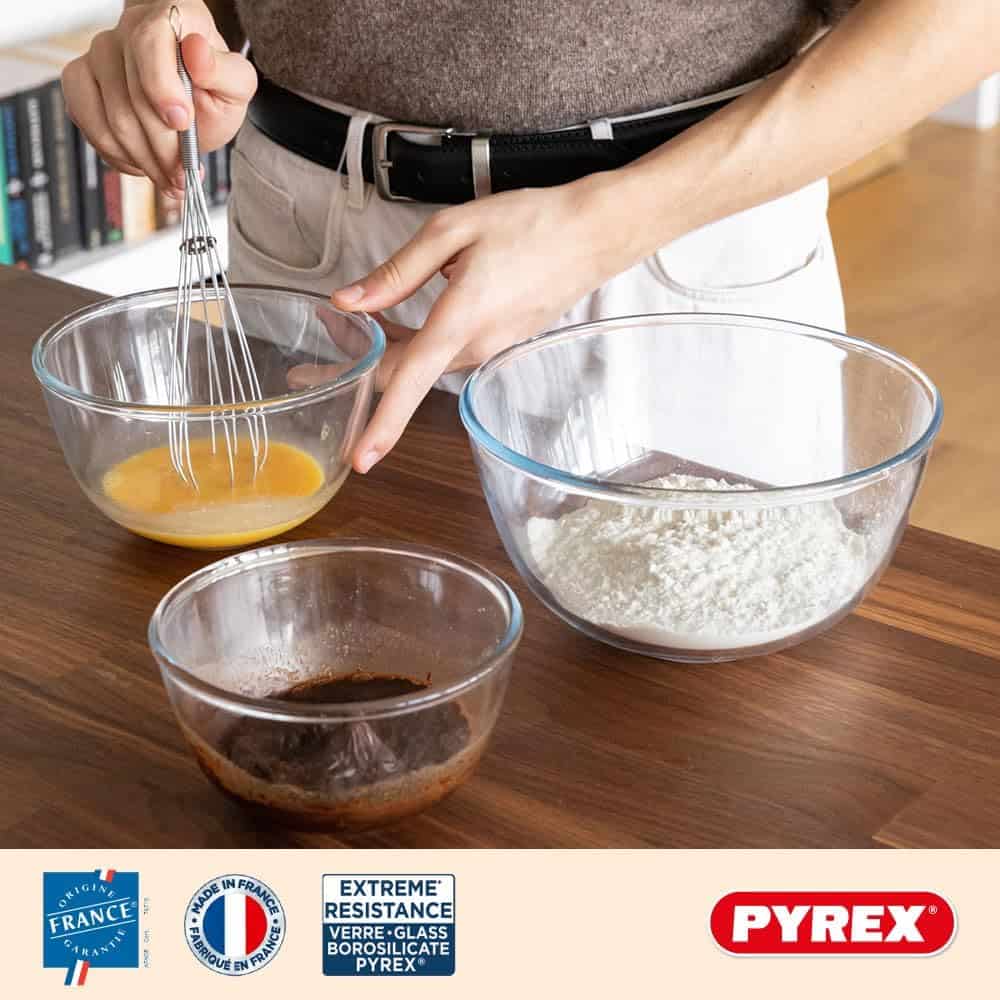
<point>916,225</point>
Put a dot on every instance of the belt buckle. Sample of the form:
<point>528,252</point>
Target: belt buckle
<point>380,153</point>
<point>479,151</point>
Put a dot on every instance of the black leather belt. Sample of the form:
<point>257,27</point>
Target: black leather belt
<point>458,166</point>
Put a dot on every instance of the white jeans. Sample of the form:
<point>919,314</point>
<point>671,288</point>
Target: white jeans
<point>297,224</point>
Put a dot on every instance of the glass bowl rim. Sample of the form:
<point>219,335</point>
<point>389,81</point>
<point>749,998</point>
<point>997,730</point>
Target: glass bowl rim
<point>201,410</point>
<point>278,710</point>
<point>604,489</point>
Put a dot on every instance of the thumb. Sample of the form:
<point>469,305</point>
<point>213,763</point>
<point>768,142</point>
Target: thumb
<point>226,75</point>
<point>406,270</point>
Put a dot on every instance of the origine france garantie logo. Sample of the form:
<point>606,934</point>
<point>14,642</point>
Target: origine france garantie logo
<point>234,924</point>
<point>90,921</point>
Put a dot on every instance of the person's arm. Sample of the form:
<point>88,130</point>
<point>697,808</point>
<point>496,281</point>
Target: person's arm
<point>516,261</point>
<point>889,64</point>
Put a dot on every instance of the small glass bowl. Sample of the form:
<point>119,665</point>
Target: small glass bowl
<point>826,437</point>
<point>338,684</point>
<point>105,373</point>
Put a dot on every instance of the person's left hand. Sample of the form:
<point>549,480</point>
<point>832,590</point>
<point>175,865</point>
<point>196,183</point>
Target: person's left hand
<point>514,263</point>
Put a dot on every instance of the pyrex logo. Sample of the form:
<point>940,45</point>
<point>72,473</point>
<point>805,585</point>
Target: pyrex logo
<point>833,923</point>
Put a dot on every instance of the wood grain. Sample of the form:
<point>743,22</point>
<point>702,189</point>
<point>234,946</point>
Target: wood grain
<point>831,744</point>
<point>961,807</point>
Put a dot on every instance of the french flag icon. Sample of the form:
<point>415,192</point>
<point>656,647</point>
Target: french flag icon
<point>235,924</point>
<point>76,975</point>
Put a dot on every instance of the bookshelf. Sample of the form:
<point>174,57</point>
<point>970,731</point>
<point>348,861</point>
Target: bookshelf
<point>123,268</point>
<point>63,212</point>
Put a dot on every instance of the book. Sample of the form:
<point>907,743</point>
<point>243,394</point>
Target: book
<point>20,73</point>
<point>138,207</point>
<point>6,247</point>
<point>91,195</point>
<point>76,184</point>
<point>31,146</point>
<point>18,204</point>
<point>60,154</point>
<point>111,189</point>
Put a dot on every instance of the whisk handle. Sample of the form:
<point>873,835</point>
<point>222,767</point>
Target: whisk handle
<point>188,136</point>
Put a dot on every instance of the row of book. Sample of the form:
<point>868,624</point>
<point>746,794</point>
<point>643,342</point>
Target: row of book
<point>57,196</point>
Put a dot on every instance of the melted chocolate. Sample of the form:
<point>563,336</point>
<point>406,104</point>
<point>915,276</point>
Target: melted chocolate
<point>345,773</point>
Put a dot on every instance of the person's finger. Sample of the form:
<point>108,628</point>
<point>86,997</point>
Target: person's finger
<point>86,109</point>
<point>469,357</point>
<point>393,331</point>
<point>351,341</point>
<point>153,46</point>
<point>345,334</point>
<point>387,366</point>
<point>308,376</point>
<point>441,238</point>
<point>227,76</point>
<point>420,364</point>
<point>162,138</point>
<point>108,68</point>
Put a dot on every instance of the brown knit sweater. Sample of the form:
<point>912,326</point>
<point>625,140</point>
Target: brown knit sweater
<point>523,64</point>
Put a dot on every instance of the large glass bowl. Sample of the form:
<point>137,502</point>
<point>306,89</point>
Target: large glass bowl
<point>105,373</point>
<point>605,451</point>
<point>342,684</point>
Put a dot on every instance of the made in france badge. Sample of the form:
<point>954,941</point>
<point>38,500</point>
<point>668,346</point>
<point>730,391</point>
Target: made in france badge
<point>388,925</point>
<point>234,924</point>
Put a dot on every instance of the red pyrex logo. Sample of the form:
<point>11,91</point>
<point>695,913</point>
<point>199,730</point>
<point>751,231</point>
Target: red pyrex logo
<point>833,923</point>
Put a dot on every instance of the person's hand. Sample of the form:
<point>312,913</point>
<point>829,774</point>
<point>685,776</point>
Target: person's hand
<point>514,263</point>
<point>127,98</point>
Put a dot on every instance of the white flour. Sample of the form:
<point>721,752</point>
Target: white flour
<point>700,579</point>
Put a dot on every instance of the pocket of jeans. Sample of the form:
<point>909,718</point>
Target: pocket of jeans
<point>765,254</point>
<point>284,213</point>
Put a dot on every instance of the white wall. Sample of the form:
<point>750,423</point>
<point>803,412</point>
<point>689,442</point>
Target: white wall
<point>37,18</point>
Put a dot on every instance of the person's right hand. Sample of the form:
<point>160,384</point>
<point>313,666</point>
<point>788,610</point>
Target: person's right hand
<point>125,94</point>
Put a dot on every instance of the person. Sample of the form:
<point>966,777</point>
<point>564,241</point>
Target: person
<point>580,158</point>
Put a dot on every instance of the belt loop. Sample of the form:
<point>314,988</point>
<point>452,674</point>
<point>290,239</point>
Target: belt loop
<point>354,149</point>
<point>601,128</point>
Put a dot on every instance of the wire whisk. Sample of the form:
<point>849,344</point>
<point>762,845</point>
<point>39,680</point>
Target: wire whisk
<point>204,295</point>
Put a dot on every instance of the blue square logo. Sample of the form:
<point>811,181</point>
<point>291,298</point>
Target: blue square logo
<point>90,920</point>
<point>388,925</point>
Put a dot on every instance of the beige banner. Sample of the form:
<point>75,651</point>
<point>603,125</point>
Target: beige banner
<point>579,923</point>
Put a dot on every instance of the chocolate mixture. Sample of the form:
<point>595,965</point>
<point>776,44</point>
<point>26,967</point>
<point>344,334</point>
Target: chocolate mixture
<point>344,774</point>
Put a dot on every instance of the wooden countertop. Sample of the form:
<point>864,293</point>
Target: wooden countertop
<point>884,731</point>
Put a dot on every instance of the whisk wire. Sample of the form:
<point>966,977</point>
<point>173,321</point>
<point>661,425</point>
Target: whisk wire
<point>202,273</point>
<point>255,418</point>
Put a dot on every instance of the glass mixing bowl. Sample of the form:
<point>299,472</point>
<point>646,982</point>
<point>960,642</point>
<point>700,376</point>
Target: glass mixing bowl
<point>605,452</point>
<point>340,684</point>
<point>105,371</point>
